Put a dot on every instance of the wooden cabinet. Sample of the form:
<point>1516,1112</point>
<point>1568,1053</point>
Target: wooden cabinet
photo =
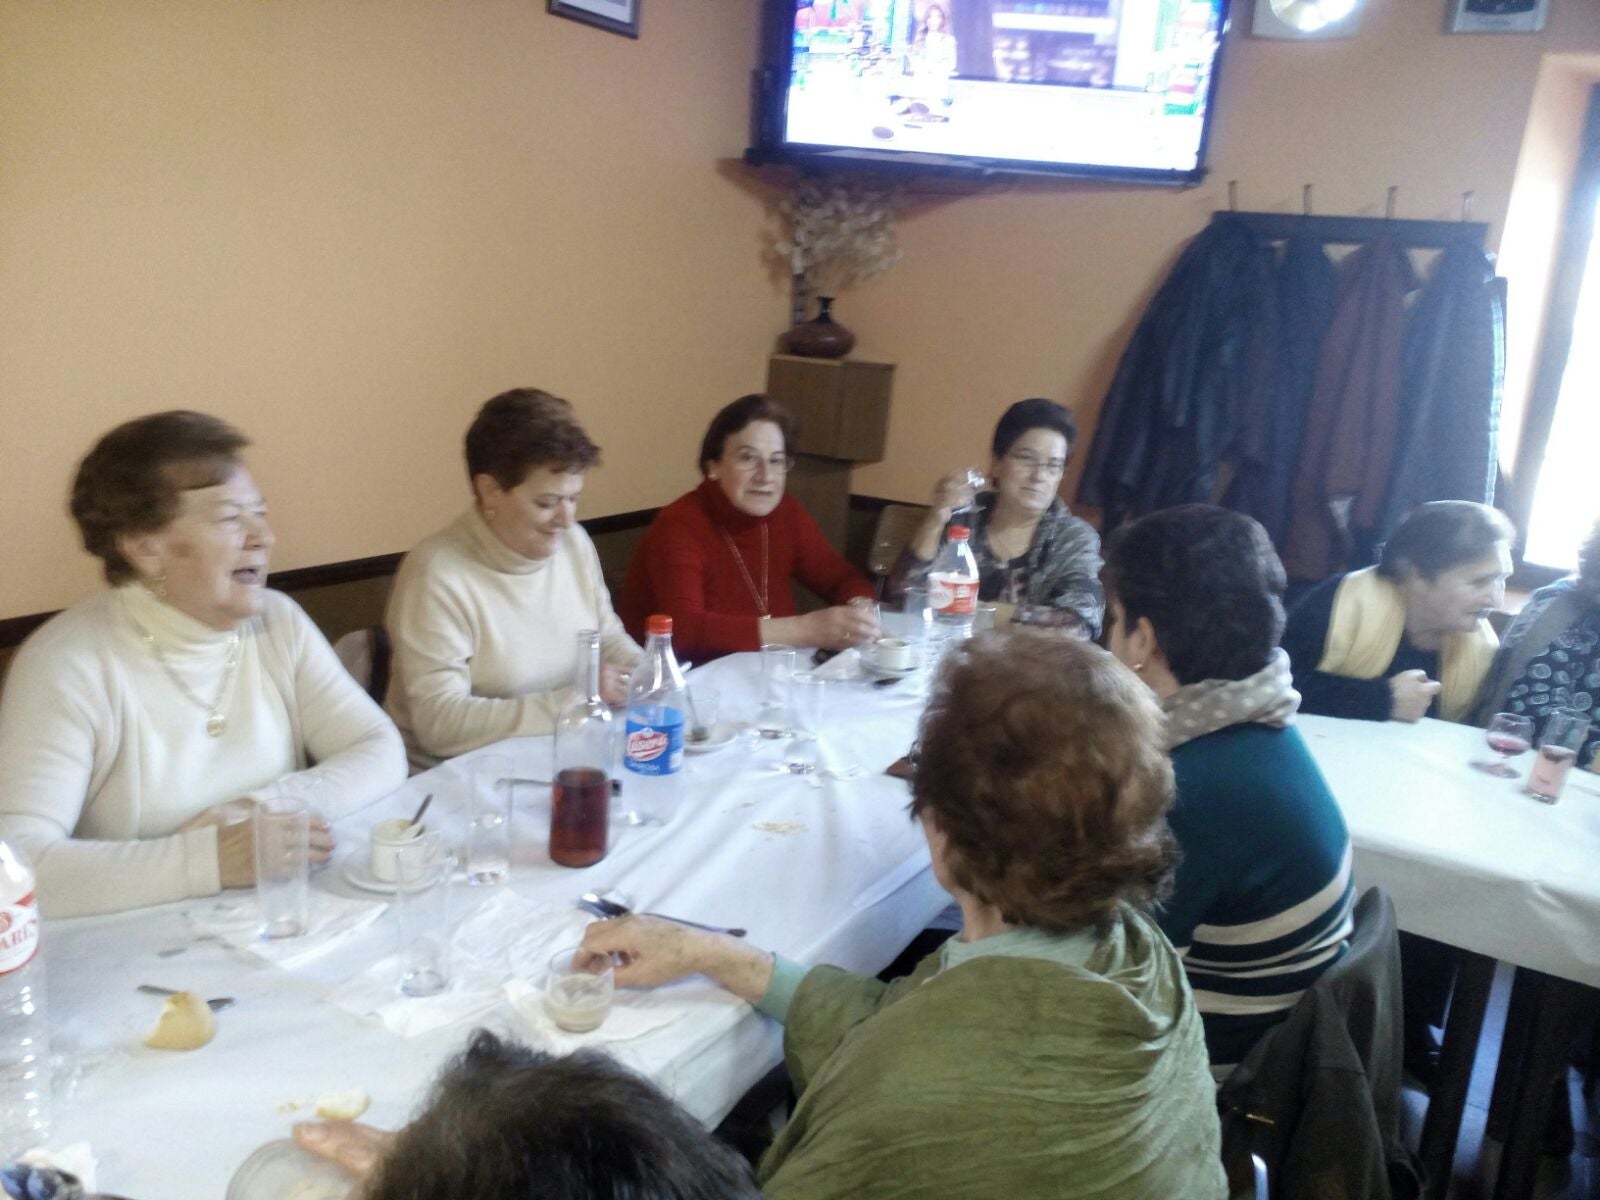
<point>842,409</point>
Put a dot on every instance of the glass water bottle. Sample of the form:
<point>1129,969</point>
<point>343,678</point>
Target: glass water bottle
<point>580,801</point>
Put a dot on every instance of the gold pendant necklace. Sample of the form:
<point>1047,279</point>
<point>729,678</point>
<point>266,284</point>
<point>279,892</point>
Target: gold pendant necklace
<point>216,723</point>
<point>760,597</point>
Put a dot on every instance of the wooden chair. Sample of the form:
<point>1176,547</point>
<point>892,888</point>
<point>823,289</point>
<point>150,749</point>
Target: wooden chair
<point>896,524</point>
<point>366,653</point>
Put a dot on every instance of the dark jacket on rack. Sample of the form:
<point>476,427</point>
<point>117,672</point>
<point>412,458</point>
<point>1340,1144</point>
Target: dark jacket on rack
<point>1189,380</point>
<point>1342,481</point>
<point>1269,448</point>
<point>1319,1097</point>
<point>1451,368</point>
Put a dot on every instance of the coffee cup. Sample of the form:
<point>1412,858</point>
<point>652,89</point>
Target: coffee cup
<point>892,654</point>
<point>387,838</point>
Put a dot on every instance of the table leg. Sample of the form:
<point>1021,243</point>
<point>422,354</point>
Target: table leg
<point>1448,1096</point>
<point>1558,1008</point>
<point>1520,1013</point>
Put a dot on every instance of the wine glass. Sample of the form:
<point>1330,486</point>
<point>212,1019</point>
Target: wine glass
<point>1508,735</point>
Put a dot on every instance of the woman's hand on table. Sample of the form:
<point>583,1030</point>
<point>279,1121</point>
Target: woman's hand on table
<point>1413,694</point>
<point>236,840</point>
<point>839,628</point>
<point>357,1148</point>
<point>651,951</point>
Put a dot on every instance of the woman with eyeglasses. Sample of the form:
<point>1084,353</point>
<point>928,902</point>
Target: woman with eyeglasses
<point>1032,553</point>
<point>720,559</point>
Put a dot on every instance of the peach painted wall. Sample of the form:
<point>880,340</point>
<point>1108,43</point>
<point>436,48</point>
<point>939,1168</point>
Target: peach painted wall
<point>343,224</point>
<point>1034,290</point>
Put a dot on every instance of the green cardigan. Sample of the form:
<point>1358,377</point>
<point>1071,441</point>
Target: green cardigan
<point>1002,1076</point>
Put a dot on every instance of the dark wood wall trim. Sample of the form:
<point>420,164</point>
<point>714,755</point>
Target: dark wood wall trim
<point>14,629</point>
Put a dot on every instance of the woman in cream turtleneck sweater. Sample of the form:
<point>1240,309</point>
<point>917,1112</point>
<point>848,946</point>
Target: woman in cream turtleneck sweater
<point>134,724</point>
<point>485,614</point>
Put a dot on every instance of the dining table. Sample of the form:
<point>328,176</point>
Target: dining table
<point>821,867</point>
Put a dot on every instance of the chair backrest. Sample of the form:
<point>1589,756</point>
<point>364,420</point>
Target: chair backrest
<point>896,524</point>
<point>365,653</point>
<point>1323,1087</point>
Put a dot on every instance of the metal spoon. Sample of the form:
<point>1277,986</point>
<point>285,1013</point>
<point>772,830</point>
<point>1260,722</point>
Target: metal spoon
<point>217,1005</point>
<point>607,909</point>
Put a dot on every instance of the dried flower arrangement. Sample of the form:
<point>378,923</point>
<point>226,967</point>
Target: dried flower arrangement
<point>838,232</point>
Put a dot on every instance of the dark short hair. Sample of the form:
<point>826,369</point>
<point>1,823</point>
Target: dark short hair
<point>134,478</point>
<point>1442,534</point>
<point>508,1123</point>
<point>1043,761</point>
<point>744,411</point>
<point>523,429</point>
<point>1033,414</point>
<point>1210,584</point>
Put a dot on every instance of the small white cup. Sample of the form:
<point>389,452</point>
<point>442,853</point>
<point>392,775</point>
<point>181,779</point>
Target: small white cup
<point>387,838</point>
<point>893,654</point>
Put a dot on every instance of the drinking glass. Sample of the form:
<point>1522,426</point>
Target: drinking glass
<point>1508,735</point>
<point>283,866</point>
<point>578,990</point>
<point>489,826</point>
<point>1564,731</point>
<point>983,619</point>
<point>805,723</point>
<point>868,607</point>
<point>422,898</point>
<point>777,681</point>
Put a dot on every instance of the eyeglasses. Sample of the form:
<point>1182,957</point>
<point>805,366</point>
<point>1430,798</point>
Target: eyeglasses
<point>1030,462</point>
<point>778,464</point>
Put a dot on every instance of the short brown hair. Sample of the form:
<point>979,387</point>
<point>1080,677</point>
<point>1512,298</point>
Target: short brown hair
<point>743,412</point>
<point>133,480</point>
<point>1433,538</point>
<point>1043,761</point>
<point>525,428</point>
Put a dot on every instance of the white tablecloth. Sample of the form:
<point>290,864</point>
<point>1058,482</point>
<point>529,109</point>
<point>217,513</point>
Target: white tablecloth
<point>827,870</point>
<point>1467,858</point>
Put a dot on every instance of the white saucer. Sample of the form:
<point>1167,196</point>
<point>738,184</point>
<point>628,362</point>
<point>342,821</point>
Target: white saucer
<point>872,668</point>
<point>358,874</point>
<point>721,734</point>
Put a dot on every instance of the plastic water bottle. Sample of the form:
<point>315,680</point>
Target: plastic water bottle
<point>24,1036</point>
<point>652,754</point>
<point>952,591</point>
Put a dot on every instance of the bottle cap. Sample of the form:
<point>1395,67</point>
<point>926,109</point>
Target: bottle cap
<point>959,533</point>
<point>658,624</point>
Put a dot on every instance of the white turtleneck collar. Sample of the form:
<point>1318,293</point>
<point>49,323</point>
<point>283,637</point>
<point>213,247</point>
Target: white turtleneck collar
<point>488,549</point>
<point>174,631</point>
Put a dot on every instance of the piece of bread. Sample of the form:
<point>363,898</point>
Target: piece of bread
<point>186,1023</point>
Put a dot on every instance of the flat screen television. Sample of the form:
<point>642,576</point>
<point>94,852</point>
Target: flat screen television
<point>1118,89</point>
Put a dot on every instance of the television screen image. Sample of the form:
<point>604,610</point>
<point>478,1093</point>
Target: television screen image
<point>1108,87</point>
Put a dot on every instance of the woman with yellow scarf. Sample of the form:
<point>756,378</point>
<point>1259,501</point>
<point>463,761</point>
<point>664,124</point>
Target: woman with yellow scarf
<point>1410,637</point>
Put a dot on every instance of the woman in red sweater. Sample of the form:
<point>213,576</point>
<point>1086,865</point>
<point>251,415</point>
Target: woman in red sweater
<point>719,560</point>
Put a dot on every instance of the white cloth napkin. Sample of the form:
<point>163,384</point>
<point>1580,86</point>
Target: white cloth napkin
<point>332,919</point>
<point>844,667</point>
<point>632,1015</point>
<point>474,990</point>
<point>519,936</point>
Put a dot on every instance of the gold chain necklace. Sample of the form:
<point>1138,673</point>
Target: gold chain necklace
<point>216,723</point>
<point>760,597</point>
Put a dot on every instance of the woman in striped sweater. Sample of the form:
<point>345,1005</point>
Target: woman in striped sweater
<point>1261,903</point>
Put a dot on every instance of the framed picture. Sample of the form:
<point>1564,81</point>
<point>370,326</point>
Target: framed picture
<point>1498,16</point>
<point>619,16</point>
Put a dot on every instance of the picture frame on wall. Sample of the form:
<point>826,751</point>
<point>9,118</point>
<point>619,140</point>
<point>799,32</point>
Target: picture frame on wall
<point>617,16</point>
<point>1498,16</point>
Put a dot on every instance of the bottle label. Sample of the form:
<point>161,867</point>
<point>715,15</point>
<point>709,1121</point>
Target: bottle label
<point>654,742</point>
<point>19,934</point>
<point>953,595</point>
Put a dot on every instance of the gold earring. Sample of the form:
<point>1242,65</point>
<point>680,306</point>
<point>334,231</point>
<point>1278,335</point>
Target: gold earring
<point>1138,668</point>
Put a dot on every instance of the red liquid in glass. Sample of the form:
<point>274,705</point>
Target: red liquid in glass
<point>1550,771</point>
<point>1508,744</point>
<point>580,816</point>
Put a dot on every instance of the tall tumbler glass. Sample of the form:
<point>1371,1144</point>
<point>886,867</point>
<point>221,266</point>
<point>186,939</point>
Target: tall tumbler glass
<point>422,900</point>
<point>283,867</point>
<point>777,681</point>
<point>805,722</point>
<point>1564,732</point>
<point>489,824</point>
